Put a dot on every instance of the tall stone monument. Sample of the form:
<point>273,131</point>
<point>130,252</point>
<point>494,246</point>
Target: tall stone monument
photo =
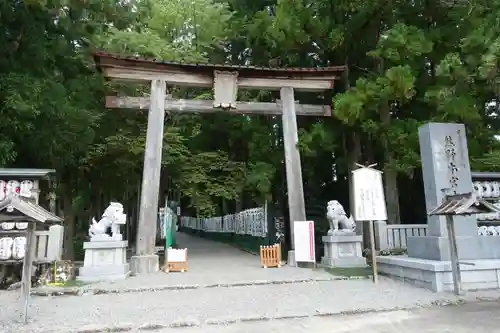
<point>446,167</point>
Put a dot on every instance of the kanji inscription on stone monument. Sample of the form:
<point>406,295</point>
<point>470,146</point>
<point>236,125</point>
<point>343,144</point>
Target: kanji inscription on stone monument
<point>450,152</point>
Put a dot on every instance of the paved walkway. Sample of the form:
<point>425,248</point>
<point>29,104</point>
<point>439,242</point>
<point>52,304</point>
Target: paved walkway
<point>211,263</point>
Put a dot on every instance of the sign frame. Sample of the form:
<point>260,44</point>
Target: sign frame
<point>368,194</point>
<point>305,250</point>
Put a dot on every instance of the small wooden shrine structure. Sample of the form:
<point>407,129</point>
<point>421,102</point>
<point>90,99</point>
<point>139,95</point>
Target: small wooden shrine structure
<point>225,80</point>
<point>19,206</point>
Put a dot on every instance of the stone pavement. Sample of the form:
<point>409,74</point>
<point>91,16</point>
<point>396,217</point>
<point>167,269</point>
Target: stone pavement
<point>465,318</point>
<point>210,264</point>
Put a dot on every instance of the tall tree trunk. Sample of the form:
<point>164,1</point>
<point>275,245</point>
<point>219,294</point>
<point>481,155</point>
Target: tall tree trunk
<point>353,157</point>
<point>69,225</point>
<point>390,175</point>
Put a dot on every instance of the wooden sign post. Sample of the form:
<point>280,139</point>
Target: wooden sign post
<point>369,203</point>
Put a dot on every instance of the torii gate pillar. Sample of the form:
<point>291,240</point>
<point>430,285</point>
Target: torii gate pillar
<point>145,260</point>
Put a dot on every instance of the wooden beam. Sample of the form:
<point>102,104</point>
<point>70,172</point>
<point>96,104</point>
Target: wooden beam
<point>29,256</point>
<point>278,83</point>
<point>295,189</point>
<point>180,79</point>
<point>199,80</point>
<point>206,106</point>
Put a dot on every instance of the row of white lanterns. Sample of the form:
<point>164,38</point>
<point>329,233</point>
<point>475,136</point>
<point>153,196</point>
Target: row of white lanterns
<point>11,225</point>
<point>12,248</point>
<point>14,187</point>
<point>487,189</point>
<point>488,231</point>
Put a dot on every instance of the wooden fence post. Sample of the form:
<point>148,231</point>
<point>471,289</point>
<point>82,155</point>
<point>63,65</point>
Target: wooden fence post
<point>381,235</point>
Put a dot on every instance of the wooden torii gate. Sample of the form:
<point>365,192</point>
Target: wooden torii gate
<point>225,80</point>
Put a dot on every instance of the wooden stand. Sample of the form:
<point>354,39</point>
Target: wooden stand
<point>176,262</point>
<point>270,256</point>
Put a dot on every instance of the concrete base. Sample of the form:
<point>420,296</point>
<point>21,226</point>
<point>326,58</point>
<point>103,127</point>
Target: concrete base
<point>469,247</point>
<point>436,275</point>
<point>104,260</point>
<point>95,274</point>
<point>343,251</point>
<point>146,264</point>
<point>291,259</point>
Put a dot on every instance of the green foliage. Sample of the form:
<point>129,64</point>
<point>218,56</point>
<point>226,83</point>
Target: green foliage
<point>409,63</point>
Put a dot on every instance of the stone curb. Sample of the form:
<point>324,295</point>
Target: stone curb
<point>189,322</point>
<point>83,291</point>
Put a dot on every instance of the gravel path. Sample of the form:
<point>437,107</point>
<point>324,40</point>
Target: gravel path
<point>475,317</point>
<point>213,305</point>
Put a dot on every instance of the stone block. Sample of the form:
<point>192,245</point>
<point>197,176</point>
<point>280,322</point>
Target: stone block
<point>343,251</point>
<point>105,260</point>
<point>145,264</point>
<point>436,275</point>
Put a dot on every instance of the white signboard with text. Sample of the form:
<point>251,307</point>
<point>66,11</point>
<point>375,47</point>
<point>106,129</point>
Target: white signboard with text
<point>369,201</point>
<point>303,235</point>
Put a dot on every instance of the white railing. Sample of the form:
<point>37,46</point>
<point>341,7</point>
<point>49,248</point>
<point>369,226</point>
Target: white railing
<point>395,236</point>
<point>251,222</point>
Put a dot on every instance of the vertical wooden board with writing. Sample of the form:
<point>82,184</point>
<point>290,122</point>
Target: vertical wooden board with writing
<point>369,201</point>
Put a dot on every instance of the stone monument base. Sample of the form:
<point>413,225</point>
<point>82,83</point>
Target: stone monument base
<point>436,275</point>
<point>343,251</point>
<point>104,260</point>
<point>145,264</point>
<point>469,247</point>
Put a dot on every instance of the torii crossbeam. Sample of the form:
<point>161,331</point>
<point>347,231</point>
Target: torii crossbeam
<point>225,80</point>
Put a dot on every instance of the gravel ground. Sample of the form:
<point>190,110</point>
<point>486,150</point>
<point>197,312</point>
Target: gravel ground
<point>213,305</point>
<point>466,318</point>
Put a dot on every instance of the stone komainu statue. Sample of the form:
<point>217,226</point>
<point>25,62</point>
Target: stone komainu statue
<point>112,217</point>
<point>338,220</point>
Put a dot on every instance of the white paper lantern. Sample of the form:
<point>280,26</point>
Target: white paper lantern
<point>3,190</point>
<point>19,247</point>
<point>21,225</point>
<point>25,188</point>
<point>6,248</point>
<point>13,188</point>
<point>8,225</point>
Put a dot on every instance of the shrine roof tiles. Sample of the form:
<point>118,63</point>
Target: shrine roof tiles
<point>464,204</point>
<point>104,59</point>
<point>29,209</point>
<point>30,173</point>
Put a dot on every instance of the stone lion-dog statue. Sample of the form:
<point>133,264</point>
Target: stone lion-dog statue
<point>112,217</point>
<point>338,220</point>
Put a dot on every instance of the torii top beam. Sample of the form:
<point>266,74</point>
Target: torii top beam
<point>202,75</point>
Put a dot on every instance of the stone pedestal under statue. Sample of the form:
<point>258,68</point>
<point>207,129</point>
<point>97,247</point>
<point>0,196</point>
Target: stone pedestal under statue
<point>106,255</point>
<point>343,251</point>
<point>104,261</point>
